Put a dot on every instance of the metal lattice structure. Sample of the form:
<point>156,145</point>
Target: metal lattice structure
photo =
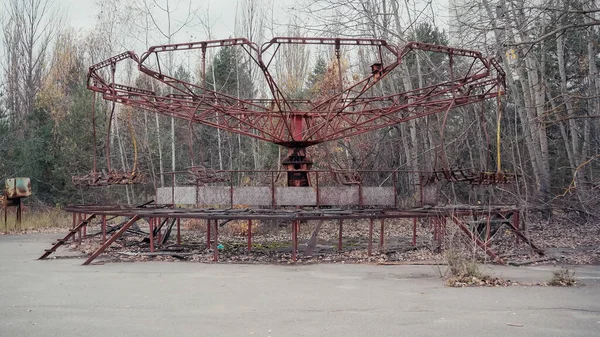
<point>345,106</point>
<point>350,108</point>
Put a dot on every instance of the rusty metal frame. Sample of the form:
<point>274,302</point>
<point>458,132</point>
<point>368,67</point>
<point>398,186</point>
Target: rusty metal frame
<point>438,215</point>
<point>297,124</point>
<point>342,115</point>
<point>112,239</point>
<point>350,110</point>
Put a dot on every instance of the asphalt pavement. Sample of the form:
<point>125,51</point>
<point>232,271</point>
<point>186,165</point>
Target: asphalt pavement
<point>59,297</point>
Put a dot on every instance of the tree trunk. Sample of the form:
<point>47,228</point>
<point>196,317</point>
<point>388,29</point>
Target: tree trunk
<point>122,157</point>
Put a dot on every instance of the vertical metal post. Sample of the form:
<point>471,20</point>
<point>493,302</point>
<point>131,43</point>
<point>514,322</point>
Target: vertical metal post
<point>438,230</point>
<point>395,181</point>
<point>231,190</point>
<point>317,186</point>
<point>104,229</point>
<point>159,222</point>
<point>178,231</point>
<point>208,225</point>
<point>19,212</point>
<point>151,223</point>
<point>370,249</point>
<point>421,188</point>
<point>443,223</point>
<point>414,239</point>
<point>173,189</point>
<point>84,226</point>
<point>297,231</point>
<point>79,219</point>
<point>341,224</point>
<point>516,220</point>
<point>294,240</point>
<point>272,189</point>
<point>249,234</point>
<point>360,195</point>
<point>216,250</point>
<point>74,223</point>
<point>381,235</point>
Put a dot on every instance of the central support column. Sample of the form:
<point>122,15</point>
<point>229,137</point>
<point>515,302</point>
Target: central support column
<point>297,163</point>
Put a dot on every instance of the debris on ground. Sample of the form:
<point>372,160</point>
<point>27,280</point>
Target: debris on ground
<point>564,242</point>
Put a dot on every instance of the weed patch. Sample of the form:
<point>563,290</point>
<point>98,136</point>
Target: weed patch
<point>562,278</point>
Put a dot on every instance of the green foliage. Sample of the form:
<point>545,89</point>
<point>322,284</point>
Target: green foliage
<point>428,33</point>
<point>229,74</point>
<point>317,75</point>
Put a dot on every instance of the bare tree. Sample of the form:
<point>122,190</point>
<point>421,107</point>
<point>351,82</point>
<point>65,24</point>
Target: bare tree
<point>28,28</point>
<point>542,45</point>
<point>161,14</point>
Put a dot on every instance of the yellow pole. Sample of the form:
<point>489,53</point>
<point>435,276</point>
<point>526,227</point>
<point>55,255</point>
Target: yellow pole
<point>499,162</point>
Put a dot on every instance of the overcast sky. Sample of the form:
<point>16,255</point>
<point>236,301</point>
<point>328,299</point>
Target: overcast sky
<point>81,13</point>
<point>81,16</point>
<point>221,13</point>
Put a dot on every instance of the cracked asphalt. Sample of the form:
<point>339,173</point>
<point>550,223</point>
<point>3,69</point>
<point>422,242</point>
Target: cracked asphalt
<point>59,297</point>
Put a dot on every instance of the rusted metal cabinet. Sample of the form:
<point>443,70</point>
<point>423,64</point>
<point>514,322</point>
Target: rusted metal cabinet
<point>16,188</point>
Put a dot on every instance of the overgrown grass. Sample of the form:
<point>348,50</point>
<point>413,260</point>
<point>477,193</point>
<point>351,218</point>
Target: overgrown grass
<point>35,220</point>
<point>562,278</point>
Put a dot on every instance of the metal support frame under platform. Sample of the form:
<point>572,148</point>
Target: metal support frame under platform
<point>478,230</point>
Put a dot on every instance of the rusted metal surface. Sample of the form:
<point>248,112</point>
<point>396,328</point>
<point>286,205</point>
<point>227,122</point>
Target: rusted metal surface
<point>159,215</point>
<point>475,178</point>
<point>17,188</point>
<point>350,108</point>
<point>108,179</point>
<point>112,239</point>
<point>469,233</point>
<point>202,175</point>
<point>65,239</point>
<point>284,213</point>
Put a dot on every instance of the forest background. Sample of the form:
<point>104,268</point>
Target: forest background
<point>550,118</point>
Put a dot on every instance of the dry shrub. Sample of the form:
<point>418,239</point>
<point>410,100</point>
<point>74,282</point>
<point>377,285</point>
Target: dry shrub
<point>562,278</point>
<point>458,266</point>
<point>193,224</point>
<point>35,220</point>
<point>464,273</point>
<point>238,227</point>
